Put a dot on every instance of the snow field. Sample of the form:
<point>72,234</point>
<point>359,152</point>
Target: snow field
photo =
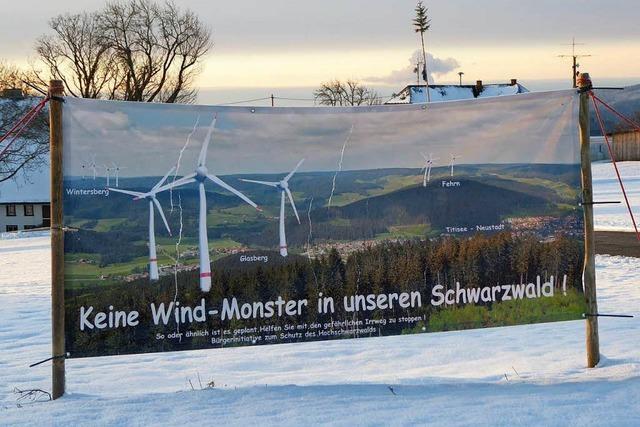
<point>615,217</point>
<point>520,375</point>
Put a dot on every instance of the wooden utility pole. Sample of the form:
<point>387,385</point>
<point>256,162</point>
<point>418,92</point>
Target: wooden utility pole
<point>589,271</point>
<point>273,101</point>
<point>56,91</point>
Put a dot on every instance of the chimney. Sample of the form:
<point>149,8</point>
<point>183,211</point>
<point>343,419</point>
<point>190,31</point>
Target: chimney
<point>12,93</point>
<point>514,82</point>
<point>479,86</point>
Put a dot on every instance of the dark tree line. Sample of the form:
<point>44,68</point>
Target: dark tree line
<point>384,268</point>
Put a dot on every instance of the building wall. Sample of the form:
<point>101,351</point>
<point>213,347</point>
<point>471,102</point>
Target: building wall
<point>22,221</point>
<point>599,150</point>
<point>626,146</point>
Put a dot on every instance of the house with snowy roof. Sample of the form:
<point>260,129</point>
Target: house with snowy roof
<point>24,198</point>
<point>416,94</point>
<point>24,201</point>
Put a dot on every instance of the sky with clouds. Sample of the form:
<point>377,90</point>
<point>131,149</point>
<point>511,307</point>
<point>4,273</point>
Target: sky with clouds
<point>147,139</point>
<point>292,43</point>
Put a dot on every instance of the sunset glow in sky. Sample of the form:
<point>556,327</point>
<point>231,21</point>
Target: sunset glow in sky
<point>289,43</point>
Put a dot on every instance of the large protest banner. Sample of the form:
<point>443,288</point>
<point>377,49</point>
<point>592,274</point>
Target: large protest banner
<point>202,227</point>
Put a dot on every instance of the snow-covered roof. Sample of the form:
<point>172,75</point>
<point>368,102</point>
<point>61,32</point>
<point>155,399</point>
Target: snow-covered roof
<point>416,94</point>
<point>27,187</point>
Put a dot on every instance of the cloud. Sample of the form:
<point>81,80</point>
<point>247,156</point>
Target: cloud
<point>406,75</point>
<point>535,128</point>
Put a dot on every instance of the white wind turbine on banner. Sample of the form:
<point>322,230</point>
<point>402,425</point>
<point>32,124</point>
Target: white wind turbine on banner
<point>283,187</point>
<point>94,166</point>
<point>89,164</point>
<point>151,197</point>
<point>454,157</point>
<point>200,175</point>
<point>428,164</point>
<point>108,172</point>
<point>84,167</point>
<point>116,172</point>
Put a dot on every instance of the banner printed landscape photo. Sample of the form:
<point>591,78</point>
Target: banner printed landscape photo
<point>202,227</point>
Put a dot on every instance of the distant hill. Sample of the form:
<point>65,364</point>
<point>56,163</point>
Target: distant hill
<point>473,202</point>
<point>626,101</point>
<point>372,203</point>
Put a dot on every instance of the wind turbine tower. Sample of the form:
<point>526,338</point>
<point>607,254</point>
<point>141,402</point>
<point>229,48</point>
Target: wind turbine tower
<point>201,175</point>
<point>283,187</point>
<point>108,172</point>
<point>94,167</point>
<point>454,157</point>
<point>116,171</point>
<point>428,164</point>
<point>153,201</point>
<point>90,163</point>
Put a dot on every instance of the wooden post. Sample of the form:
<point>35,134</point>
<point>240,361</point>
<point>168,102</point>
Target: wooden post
<point>56,89</point>
<point>589,271</point>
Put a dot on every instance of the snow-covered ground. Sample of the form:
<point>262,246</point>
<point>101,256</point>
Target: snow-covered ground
<point>606,188</point>
<point>521,375</point>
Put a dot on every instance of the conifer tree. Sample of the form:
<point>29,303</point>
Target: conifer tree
<point>421,24</point>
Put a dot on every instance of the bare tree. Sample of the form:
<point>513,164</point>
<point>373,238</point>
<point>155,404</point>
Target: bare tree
<point>348,93</point>
<point>29,151</point>
<point>158,47</point>
<point>12,77</point>
<point>134,51</point>
<point>77,54</point>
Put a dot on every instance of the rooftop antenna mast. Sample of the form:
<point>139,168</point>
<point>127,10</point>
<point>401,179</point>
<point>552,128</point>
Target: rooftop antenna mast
<point>575,57</point>
<point>417,69</point>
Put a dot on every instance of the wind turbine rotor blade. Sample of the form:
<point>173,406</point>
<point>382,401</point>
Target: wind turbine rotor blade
<point>164,178</point>
<point>272,184</point>
<point>286,178</point>
<point>424,156</point>
<point>226,186</point>
<point>293,205</point>
<point>188,179</point>
<point>161,212</point>
<point>202,158</point>
<point>129,192</point>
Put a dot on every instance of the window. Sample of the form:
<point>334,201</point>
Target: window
<point>12,228</point>
<point>46,215</point>
<point>28,210</point>
<point>11,210</point>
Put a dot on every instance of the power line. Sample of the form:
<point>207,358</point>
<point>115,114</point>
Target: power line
<point>245,101</point>
<point>285,98</point>
<point>314,99</point>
